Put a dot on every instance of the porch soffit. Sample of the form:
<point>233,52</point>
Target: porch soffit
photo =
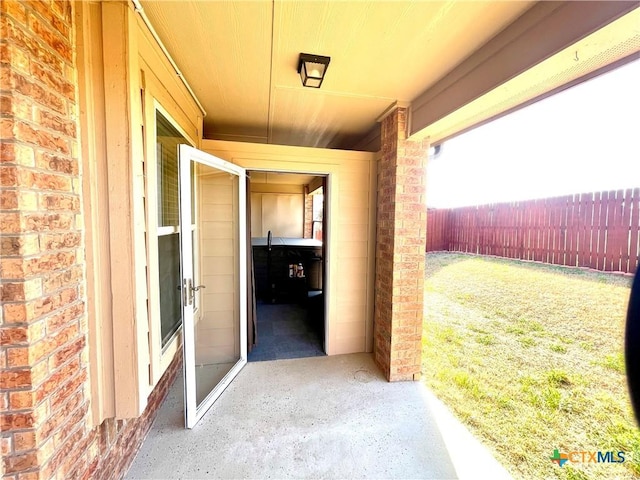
<point>241,58</point>
<point>608,47</point>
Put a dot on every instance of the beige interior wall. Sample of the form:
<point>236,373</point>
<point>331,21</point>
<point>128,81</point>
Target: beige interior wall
<point>280,213</point>
<point>349,260</point>
<point>278,208</point>
<point>217,329</point>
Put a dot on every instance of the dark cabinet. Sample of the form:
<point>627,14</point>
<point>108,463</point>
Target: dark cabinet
<point>272,272</point>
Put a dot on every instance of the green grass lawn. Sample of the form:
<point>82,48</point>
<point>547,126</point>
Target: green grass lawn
<point>530,358</point>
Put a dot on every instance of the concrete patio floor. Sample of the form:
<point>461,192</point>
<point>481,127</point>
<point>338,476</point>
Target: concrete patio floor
<point>320,417</point>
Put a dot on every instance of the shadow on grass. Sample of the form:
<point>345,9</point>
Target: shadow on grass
<point>436,261</point>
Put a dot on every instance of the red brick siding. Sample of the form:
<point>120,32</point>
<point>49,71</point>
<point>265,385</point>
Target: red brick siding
<point>308,213</point>
<point>43,325</point>
<point>44,386</point>
<point>120,440</point>
<point>400,239</point>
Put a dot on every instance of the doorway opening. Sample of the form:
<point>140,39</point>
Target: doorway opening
<point>287,221</point>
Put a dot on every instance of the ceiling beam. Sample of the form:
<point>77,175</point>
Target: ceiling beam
<point>542,31</point>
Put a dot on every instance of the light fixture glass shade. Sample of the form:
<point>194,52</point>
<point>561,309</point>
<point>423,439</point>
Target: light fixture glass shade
<point>312,69</point>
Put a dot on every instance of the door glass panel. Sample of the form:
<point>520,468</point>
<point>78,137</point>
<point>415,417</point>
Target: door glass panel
<point>217,336</point>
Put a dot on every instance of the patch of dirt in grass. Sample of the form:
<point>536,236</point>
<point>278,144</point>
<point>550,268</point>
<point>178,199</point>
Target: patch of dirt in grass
<point>529,356</point>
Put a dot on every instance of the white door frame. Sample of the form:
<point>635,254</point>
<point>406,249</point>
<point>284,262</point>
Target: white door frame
<point>187,154</point>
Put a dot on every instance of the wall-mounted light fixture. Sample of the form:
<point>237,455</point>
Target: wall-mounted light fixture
<point>312,69</point>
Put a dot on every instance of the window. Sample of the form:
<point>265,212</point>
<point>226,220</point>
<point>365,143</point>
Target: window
<point>318,213</point>
<point>167,140</point>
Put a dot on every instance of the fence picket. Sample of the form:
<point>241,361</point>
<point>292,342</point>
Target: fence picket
<point>625,230</point>
<point>602,248</point>
<point>619,231</point>
<point>600,230</point>
<point>611,233</point>
<point>595,230</point>
<point>634,246</point>
<point>558,246</point>
<point>570,258</point>
<point>529,228</point>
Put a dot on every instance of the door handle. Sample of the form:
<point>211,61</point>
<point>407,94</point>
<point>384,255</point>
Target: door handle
<point>188,291</point>
<point>185,291</point>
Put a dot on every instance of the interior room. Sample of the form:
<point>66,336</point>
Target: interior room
<point>287,241</point>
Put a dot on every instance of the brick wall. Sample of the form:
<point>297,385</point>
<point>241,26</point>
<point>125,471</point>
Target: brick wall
<point>400,240</point>
<point>117,441</point>
<point>308,213</point>
<point>43,330</point>
<point>44,387</point>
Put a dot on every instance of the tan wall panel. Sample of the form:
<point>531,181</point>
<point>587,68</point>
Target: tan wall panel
<point>349,345</point>
<point>352,298</point>
<point>356,249</point>
<point>282,214</point>
<point>349,330</point>
<point>222,179</point>
<point>354,175</point>
<point>350,313</point>
<point>216,335</point>
<point>276,188</point>
<point>224,319</point>
<point>359,233</point>
<point>350,215</point>
<point>217,229</point>
<point>352,269</point>
<point>356,198</point>
<point>256,215</point>
<point>217,247</point>
<point>216,338</point>
<point>95,211</point>
<point>224,266</point>
<point>217,302</point>
<point>216,354</point>
<point>219,283</point>
<point>217,213</point>
<point>218,197</point>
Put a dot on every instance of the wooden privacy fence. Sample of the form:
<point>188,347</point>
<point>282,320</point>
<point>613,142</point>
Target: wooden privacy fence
<point>596,230</point>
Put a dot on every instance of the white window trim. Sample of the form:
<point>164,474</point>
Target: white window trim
<point>160,356</point>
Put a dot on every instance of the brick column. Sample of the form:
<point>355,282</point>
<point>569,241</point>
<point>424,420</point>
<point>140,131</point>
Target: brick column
<point>43,394</point>
<point>400,250</point>
<point>308,214</point>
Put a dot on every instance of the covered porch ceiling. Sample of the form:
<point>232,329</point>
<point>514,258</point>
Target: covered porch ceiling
<point>455,64</point>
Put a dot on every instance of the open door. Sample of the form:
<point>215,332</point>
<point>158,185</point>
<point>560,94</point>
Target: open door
<point>214,279</point>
